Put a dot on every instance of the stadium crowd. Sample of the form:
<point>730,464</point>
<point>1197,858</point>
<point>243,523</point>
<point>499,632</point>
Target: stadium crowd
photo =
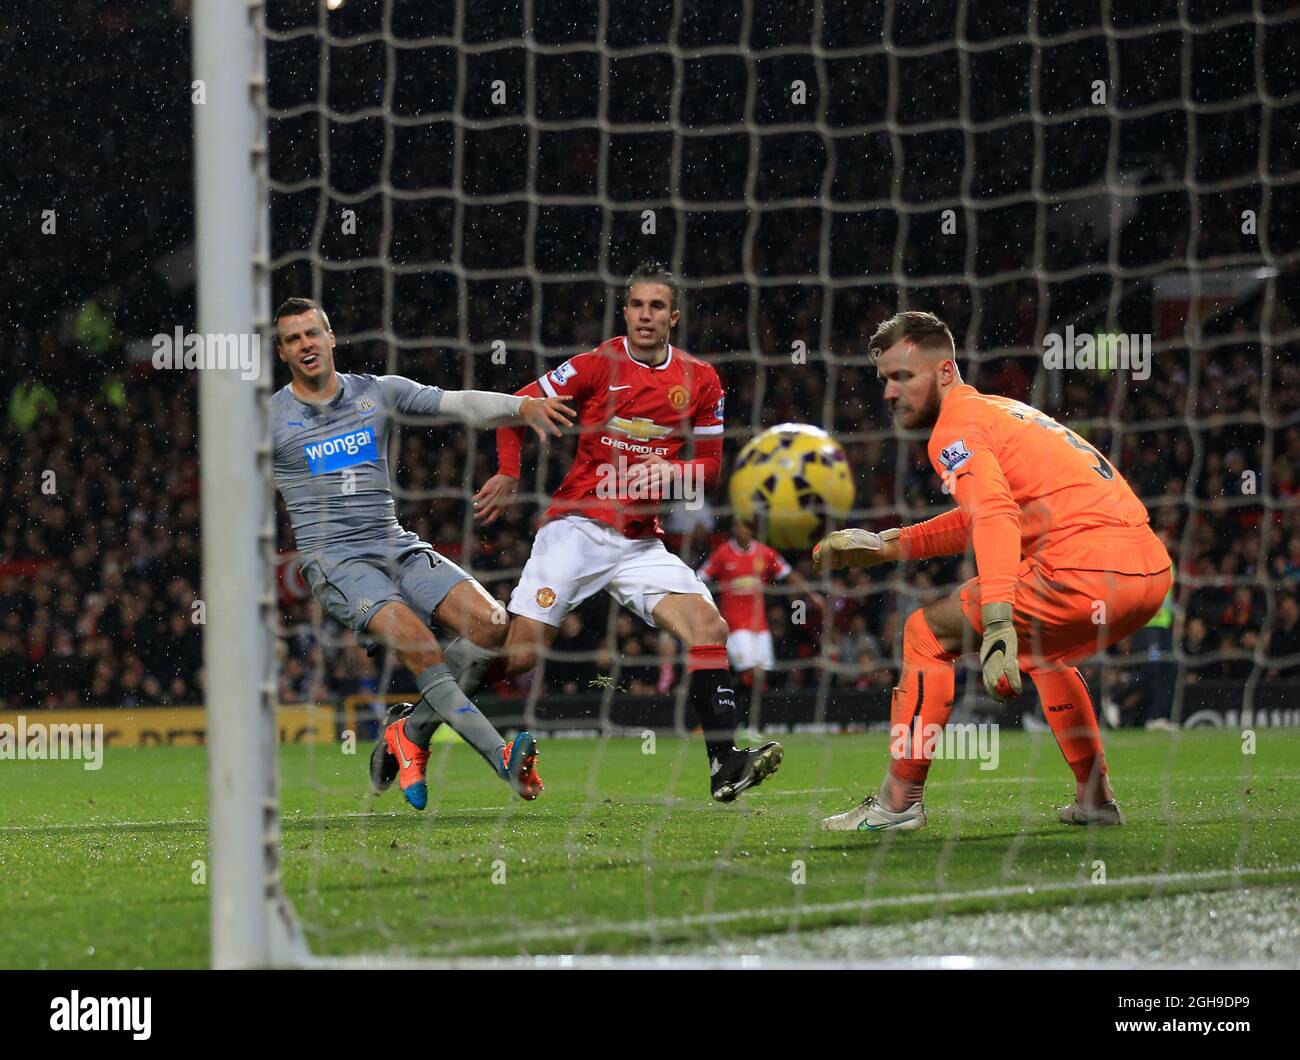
<point>99,557</point>
<point>99,544</point>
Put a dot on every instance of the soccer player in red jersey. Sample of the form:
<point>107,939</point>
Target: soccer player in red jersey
<point>641,402</point>
<point>741,567</point>
<point>1067,563</point>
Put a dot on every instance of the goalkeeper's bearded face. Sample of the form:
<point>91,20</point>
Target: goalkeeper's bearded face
<point>914,384</point>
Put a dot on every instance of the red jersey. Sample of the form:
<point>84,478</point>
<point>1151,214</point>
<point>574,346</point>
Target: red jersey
<point>626,409</point>
<point>741,575</point>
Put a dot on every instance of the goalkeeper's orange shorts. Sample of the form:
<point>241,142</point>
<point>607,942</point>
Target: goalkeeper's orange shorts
<point>1064,614</point>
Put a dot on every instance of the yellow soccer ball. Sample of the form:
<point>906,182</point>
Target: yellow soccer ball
<point>787,483</point>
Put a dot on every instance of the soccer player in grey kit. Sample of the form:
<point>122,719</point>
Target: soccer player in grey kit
<point>330,440</point>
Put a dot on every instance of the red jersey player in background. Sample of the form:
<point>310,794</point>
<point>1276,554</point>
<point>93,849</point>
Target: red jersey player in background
<point>641,402</point>
<point>742,567</point>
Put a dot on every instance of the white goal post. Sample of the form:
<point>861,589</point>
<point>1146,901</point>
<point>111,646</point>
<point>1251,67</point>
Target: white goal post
<point>252,924</point>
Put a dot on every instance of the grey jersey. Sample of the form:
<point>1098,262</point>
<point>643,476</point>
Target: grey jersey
<point>331,463</point>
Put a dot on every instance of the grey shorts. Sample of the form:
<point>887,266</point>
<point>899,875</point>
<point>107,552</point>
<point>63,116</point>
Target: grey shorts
<point>352,590</point>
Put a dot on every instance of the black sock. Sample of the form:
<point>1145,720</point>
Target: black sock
<point>713,695</point>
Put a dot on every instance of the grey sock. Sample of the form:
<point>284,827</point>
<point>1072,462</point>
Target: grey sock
<point>441,698</point>
<point>469,663</point>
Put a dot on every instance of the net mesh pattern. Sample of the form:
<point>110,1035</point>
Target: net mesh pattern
<point>466,190</point>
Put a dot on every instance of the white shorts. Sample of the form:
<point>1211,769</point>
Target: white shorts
<point>747,648</point>
<point>575,557</point>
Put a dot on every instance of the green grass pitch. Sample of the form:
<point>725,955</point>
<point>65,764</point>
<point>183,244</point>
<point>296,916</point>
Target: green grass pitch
<point>624,853</point>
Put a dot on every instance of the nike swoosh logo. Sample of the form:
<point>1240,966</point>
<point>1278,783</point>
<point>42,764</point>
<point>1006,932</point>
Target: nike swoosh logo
<point>468,708</point>
<point>628,387</point>
<point>965,474</point>
<point>295,423</point>
<point>997,645</point>
<point>401,755</point>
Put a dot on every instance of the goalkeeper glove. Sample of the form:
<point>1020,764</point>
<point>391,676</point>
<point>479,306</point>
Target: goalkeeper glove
<point>998,652</point>
<point>855,548</point>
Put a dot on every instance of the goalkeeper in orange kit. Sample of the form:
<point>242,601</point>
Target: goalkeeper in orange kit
<point>1067,565</point>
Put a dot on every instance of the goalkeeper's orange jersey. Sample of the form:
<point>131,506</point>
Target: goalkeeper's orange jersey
<point>1028,486</point>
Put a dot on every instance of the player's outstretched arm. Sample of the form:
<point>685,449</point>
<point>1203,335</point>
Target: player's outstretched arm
<point>844,549</point>
<point>480,408</point>
<point>947,534</point>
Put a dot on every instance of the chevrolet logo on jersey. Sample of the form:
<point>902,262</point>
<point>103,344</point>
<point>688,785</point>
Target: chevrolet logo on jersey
<point>639,428</point>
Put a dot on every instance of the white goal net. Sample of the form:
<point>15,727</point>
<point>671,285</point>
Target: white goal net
<point>466,187</point>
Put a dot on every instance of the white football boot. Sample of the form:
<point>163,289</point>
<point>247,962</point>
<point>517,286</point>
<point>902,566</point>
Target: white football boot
<point>870,816</point>
<point>1106,813</point>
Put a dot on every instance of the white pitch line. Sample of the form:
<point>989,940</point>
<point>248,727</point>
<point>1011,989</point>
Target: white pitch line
<point>647,927</point>
<point>675,962</point>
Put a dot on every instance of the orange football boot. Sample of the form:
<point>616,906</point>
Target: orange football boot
<point>411,764</point>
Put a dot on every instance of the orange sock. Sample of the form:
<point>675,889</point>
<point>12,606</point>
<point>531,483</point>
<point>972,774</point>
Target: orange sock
<point>1068,709</point>
<point>923,698</point>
